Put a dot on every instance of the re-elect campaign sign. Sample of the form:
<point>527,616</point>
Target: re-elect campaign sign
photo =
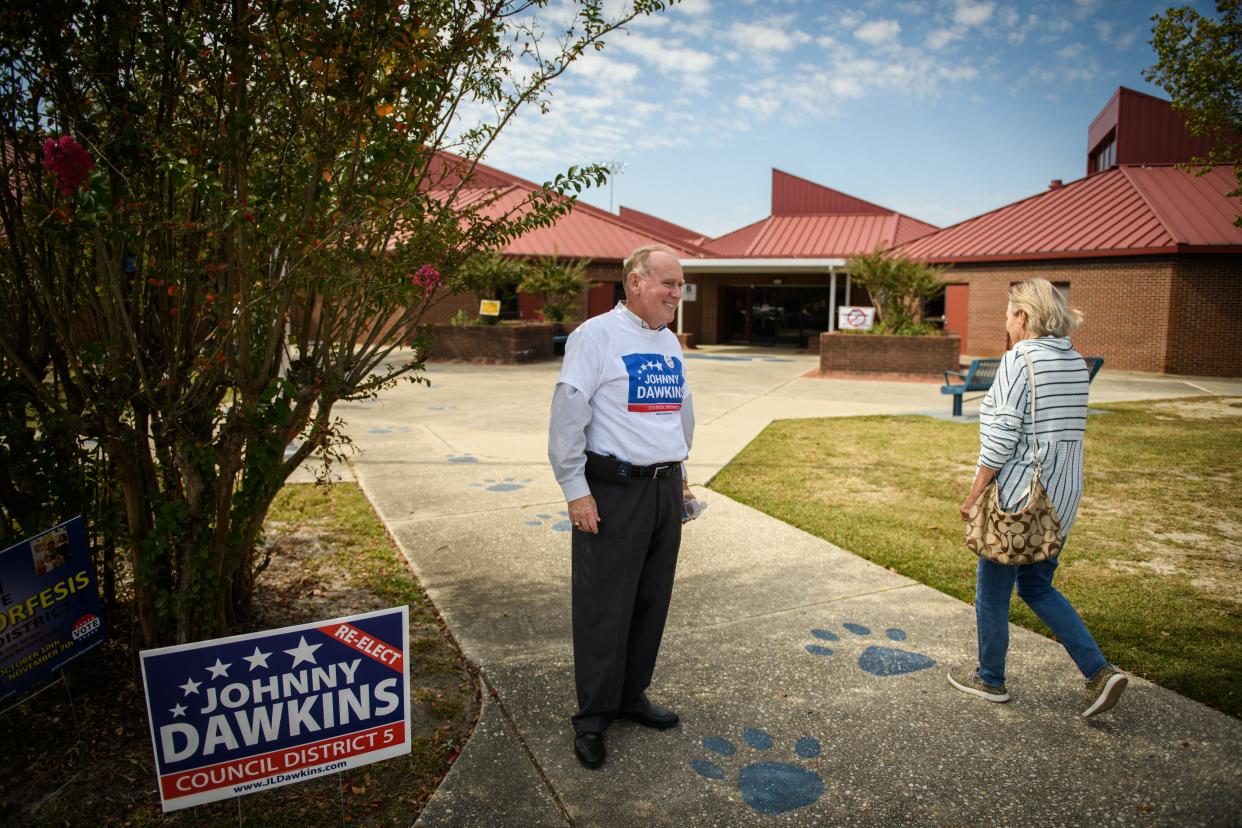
<point>49,606</point>
<point>238,715</point>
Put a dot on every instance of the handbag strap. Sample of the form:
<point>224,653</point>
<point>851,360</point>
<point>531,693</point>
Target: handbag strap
<point>1030,376</point>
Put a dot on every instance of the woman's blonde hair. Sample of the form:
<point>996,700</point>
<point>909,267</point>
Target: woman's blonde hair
<point>1047,314</point>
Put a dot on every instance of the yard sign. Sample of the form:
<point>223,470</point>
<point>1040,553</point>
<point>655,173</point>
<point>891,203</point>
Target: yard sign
<point>855,318</point>
<point>49,606</point>
<point>237,715</point>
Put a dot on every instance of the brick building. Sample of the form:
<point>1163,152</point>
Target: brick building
<point>1149,252</point>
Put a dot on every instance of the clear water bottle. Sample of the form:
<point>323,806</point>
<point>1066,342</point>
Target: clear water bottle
<point>692,508</point>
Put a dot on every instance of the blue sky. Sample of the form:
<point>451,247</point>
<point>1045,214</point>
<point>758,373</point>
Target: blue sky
<point>941,109</point>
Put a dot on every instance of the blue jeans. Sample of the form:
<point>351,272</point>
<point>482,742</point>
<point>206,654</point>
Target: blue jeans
<point>993,591</point>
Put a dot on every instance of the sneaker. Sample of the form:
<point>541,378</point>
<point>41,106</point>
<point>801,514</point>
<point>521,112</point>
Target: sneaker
<point>1104,690</point>
<point>968,681</point>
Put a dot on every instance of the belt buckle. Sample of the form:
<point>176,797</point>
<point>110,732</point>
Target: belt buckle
<point>655,470</point>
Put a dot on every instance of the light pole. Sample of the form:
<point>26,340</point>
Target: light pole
<point>615,168</point>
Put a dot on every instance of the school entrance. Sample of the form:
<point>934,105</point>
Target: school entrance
<point>774,314</point>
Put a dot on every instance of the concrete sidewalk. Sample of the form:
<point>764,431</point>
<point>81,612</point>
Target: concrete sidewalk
<point>810,682</point>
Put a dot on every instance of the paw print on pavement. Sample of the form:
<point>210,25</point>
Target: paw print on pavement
<point>508,484</point>
<point>559,526</point>
<point>767,787</point>
<point>389,430</point>
<point>878,661</point>
<point>462,458</point>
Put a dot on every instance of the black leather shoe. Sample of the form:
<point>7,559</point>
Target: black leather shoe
<point>649,714</point>
<point>589,748</point>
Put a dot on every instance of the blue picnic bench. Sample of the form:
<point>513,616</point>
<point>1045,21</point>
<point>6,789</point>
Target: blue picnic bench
<point>981,373</point>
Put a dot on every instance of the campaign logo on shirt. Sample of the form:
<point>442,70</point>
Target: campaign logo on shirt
<point>657,382</point>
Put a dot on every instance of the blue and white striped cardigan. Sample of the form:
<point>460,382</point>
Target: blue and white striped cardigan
<point>1061,383</point>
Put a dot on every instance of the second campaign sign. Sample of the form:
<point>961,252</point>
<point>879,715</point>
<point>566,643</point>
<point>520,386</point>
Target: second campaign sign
<point>238,715</point>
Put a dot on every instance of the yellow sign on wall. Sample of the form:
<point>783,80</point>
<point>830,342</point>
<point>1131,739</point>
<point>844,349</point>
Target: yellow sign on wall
<point>489,307</point>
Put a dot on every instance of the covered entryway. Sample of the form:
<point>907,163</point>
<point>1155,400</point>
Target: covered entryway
<point>767,301</point>
<point>775,314</point>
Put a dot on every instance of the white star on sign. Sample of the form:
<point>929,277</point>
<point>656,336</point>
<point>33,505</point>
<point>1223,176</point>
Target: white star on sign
<point>219,669</point>
<point>303,652</point>
<point>257,660</point>
<point>190,686</point>
<point>179,710</point>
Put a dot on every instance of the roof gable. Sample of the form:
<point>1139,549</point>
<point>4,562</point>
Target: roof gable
<point>792,195</point>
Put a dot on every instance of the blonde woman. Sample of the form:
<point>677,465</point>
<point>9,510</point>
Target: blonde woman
<point>1039,323</point>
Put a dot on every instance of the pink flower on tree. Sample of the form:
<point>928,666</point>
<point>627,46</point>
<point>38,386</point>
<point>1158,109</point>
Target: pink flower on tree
<point>68,162</point>
<point>426,277</point>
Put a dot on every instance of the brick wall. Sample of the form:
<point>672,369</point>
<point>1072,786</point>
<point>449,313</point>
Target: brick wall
<point>1126,305</point>
<point>492,343</point>
<point>866,353</point>
<point>1205,317</point>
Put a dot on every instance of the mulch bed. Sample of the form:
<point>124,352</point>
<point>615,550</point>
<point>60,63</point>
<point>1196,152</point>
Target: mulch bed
<point>81,754</point>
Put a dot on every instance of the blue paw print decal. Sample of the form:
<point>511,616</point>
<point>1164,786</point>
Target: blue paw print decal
<point>559,526</point>
<point>508,484</point>
<point>462,458</point>
<point>767,787</point>
<point>441,408</point>
<point>878,661</point>
<point>388,430</point>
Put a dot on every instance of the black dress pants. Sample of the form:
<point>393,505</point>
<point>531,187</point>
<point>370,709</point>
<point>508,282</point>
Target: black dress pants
<point>622,582</point>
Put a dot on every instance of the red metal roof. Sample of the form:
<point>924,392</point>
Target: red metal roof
<point>1126,211</point>
<point>792,195</point>
<point>818,236</point>
<point>812,221</point>
<point>586,232</point>
<point>667,228</point>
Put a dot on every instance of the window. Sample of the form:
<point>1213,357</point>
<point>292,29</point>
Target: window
<point>1104,155</point>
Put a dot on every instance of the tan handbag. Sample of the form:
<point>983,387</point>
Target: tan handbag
<point>1029,535</point>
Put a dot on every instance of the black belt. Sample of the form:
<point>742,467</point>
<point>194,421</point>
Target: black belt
<point>610,468</point>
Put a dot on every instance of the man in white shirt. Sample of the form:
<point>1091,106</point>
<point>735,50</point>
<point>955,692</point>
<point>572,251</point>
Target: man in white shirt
<point>621,426</point>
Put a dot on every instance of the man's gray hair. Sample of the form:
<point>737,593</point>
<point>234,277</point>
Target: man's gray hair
<point>636,262</point>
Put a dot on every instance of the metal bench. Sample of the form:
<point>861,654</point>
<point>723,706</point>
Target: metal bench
<point>981,373</point>
<point>978,377</point>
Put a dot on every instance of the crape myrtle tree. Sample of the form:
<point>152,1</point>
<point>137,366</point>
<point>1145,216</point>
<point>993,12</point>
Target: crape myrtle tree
<point>1199,63</point>
<point>557,283</point>
<point>898,287</point>
<point>219,218</point>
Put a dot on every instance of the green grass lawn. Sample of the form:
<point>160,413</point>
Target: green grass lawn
<point>1152,564</point>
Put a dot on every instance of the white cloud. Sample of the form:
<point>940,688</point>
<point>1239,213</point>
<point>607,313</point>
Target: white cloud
<point>940,38</point>
<point>1121,41</point>
<point>601,69</point>
<point>695,7</point>
<point>1071,52</point>
<point>914,7</point>
<point>670,57</point>
<point>970,13</point>
<point>878,32</point>
<point>775,36</point>
<point>761,105</point>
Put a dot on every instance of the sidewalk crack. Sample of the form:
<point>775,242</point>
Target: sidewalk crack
<point>530,755</point>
